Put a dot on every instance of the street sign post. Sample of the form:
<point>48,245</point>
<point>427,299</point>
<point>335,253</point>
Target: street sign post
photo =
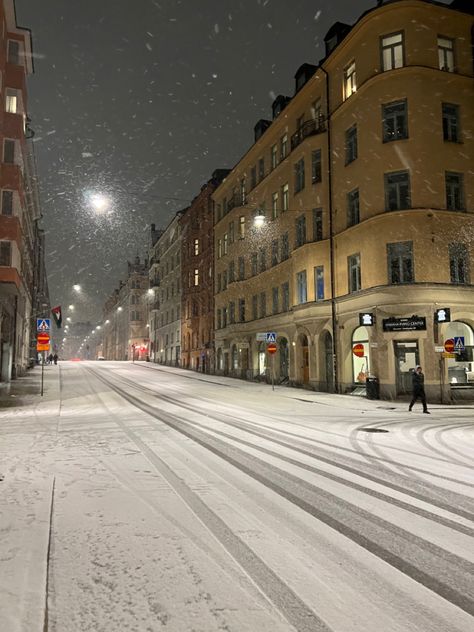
<point>42,339</point>
<point>459,344</point>
<point>270,336</point>
<point>272,349</point>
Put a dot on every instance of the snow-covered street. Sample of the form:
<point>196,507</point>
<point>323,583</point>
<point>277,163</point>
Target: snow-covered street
<point>145,498</point>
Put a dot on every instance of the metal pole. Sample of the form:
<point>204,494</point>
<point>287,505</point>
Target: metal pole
<point>273,371</point>
<point>42,373</point>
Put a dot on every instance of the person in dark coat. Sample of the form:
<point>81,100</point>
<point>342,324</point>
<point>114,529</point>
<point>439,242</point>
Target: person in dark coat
<point>55,358</point>
<point>419,389</point>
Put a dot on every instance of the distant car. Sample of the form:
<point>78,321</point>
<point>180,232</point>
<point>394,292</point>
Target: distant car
<point>101,358</point>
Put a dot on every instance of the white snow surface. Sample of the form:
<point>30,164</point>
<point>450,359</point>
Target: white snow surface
<point>145,498</point>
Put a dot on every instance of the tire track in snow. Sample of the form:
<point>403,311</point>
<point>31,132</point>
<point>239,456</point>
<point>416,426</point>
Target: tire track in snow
<point>444,573</point>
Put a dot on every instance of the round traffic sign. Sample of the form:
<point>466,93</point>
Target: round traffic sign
<point>271,347</point>
<point>449,345</point>
<point>42,339</point>
<point>358,350</point>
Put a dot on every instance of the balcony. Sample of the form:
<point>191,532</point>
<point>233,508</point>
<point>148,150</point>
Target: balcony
<point>309,128</point>
<point>155,282</point>
<point>235,201</point>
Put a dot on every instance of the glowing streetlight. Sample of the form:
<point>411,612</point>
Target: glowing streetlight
<point>150,292</point>
<point>71,307</point>
<point>76,287</point>
<point>119,309</point>
<point>99,202</point>
<point>68,319</point>
<point>259,220</point>
<point>107,321</point>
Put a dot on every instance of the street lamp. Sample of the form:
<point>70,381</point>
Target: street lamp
<point>76,287</point>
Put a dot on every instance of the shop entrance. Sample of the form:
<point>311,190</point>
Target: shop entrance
<point>406,358</point>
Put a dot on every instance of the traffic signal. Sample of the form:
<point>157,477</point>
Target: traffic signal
<point>443,315</point>
<point>366,319</point>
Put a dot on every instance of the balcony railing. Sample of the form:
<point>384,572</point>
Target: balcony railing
<point>309,128</point>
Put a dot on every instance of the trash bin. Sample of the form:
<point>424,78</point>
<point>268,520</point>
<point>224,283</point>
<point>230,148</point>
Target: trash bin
<point>372,387</point>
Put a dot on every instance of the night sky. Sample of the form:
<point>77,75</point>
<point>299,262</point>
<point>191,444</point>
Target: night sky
<point>142,101</point>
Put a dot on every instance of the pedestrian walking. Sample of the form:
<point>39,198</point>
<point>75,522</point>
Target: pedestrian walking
<point>49,359</point>
<point>419,389</point>
<point>55,358</point>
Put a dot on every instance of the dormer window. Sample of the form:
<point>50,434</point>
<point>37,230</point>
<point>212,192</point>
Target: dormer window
<point>350,84</point>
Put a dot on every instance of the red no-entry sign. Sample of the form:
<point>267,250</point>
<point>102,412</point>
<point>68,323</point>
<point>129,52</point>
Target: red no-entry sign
<point>42,339</point>
<point>449,345</point>
<point>272,348</point>
<point>358,350</point>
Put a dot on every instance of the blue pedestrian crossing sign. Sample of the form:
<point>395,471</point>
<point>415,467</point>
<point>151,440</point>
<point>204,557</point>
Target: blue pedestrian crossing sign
<point>458,344</point>
<point>271,336</point>
<point>43,324</point>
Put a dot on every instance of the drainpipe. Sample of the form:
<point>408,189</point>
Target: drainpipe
<point>331,243</point>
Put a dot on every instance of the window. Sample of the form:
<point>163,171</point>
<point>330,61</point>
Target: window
<point>263,305</point>
<point>392,50</point>
<point>394,121</point>
<point>241,227</point>
<point>285,296</point>
<point>224,280</point>
<point>451,122</point>
<point>14,52</point>
<point>400,262</point>
<point>225,244</point>
<point>219,248</point>
<point>446,54</point>
<point>284,198</point>
<point>196,247</point>
<point>219,319</point>
<point>301,288</point>
<point>299,175</point>
<point>454,191</point>
<point>231,272</point>
<point>243,196</point>
<point>231,313</point>
<point>350,84</point>
<point>231,232</point>
<point>316,110</point>
<point>263,260</point>
<point>353,216</point>
<point>274,156</point>
<point>253,177</point>
<point>254,307</point>
<point>351,144</point>
<point>284,146</point>
<point>133,299</point>
<point>9,151</point>
<point>285,247</point>
<point>299,122</point>
<point>11,101</point>
<point>5,253</point>
<point>241,268</point>
<point>241,310</point>
<point>261,169</point>
<point>224,317</point>
<point>353,265</point>
<point>254,263</point>
<point>225,208</point>
<point>275,300</point>
<point>316,168</point>
<point>458,263</point>
<point>319,283</point>
<point>274,252</point>
<point>317,224</point>
<point>300,231</point>
<point>397,191</point>
<point>274,205</point>
<point>7,203</point>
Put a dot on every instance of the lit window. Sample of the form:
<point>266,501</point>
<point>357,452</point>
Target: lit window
<point>11,102</point>
<point>284,198</point>
<point>446,54</point>
<point>274,156</point>
<point>284,146</point>
<point>196,276</point>
<point>301,287</point>
<point>392,51</point>
<point>350,84</point>
<point>196,246</point>
<point>274,205</point>
<point>353,264</point>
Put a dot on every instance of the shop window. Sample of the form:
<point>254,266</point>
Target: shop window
<point>461,367</point>
<point>361,366</point>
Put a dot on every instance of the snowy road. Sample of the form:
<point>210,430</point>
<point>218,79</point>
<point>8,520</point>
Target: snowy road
<point>145,499</point>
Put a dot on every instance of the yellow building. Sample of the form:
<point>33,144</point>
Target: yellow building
<point>350,219</point>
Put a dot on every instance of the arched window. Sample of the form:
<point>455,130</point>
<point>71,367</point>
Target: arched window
<point>461,367</point>
<point>360,365</point>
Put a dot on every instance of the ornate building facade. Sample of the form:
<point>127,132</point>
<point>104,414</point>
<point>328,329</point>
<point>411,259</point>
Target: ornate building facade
<point>350,219</point>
